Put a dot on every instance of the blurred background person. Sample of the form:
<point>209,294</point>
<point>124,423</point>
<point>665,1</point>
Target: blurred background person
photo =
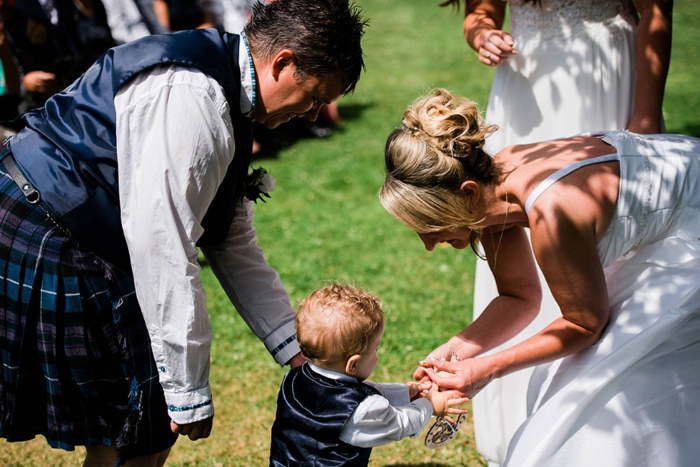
<point>54,43</point>
<point>230,15</point>
<point>9,73</point>
<point>131,19</point>
<point>179,15</point>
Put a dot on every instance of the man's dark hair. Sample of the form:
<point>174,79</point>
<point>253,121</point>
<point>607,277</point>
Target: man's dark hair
<point>323,34</point>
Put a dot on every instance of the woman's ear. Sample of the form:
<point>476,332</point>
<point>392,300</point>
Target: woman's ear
<point>351,365</point>
<point>471,190</point>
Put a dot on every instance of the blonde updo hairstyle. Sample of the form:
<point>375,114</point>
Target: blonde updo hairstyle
<point>427,158</point>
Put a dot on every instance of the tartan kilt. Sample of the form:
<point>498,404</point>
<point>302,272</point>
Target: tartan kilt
<point>75,353</point>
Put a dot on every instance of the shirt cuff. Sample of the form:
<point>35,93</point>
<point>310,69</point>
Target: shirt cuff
<point>189,407</point>
<point>282,343</point>
<point>427,408</point>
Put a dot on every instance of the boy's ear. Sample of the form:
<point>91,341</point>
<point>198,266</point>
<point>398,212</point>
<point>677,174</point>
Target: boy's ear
<point>351,365</point>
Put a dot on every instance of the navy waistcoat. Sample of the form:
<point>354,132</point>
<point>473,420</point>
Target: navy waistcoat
<point>68,147</point>
<point>311,413</point>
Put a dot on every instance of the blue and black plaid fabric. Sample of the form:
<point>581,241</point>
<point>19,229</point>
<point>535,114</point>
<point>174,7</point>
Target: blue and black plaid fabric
<point>76,361</point>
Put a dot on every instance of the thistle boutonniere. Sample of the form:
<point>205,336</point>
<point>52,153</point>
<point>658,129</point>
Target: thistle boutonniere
<point>258,184</point>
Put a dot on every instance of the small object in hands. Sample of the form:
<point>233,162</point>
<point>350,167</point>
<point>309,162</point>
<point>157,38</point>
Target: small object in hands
<point>442,432</point>
<point>488,55</point>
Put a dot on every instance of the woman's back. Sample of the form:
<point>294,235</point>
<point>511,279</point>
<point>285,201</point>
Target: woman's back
<point>573,176</point>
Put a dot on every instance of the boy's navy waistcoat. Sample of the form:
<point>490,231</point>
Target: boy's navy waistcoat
<point>311,412</point>
<point>68,147</point>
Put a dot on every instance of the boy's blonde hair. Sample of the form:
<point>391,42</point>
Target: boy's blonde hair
<point>336,322</point>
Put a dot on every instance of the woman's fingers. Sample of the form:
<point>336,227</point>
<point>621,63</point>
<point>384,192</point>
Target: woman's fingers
<point>440,365</point>
<point>443,381</point>
<point>419,374</point>
<point>496,48</point>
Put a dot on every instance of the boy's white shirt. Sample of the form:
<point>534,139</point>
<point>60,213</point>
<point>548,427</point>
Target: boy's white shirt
<point>385,418</point>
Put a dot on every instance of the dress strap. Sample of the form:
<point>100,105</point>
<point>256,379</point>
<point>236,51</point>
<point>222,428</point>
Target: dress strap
<point>563,172</point>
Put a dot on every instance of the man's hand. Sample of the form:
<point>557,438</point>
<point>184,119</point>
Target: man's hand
<point>195,430</point>
<point>296,360</point>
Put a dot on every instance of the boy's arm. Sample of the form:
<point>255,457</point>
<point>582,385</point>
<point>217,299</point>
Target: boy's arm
<point>376,422</point>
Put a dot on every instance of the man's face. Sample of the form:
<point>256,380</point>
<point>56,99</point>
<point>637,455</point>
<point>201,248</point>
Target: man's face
<point>283,96</point>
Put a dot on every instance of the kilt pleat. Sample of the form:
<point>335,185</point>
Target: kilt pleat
<point>76,360</point>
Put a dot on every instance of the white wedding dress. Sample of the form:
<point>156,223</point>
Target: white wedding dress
<point>574,72</point>
<point>633,398</point>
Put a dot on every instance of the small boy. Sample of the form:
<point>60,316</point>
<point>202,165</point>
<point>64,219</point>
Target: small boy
<point>327,414</point>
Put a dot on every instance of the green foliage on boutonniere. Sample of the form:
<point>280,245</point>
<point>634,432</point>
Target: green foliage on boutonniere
<point>258,184</point>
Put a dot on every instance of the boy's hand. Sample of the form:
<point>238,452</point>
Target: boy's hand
<point>446,403</point>
<point>417,388</point>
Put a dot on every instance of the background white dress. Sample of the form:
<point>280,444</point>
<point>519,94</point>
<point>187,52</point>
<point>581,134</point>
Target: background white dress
<point>574,72</point>
<point>633,398</point>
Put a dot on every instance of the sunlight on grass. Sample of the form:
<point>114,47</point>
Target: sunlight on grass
<point>324,222</point>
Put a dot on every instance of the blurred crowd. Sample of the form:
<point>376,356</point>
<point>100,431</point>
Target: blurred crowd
<point>46,44</point>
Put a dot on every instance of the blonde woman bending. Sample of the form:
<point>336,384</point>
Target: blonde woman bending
<point>614,219</point>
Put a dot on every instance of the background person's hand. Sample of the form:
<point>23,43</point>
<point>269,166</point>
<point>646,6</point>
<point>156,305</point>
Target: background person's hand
<point>42,82</point>
<point>495,46</point>
<point>195,430</point>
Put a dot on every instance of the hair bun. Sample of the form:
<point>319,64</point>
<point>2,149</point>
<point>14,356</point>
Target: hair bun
<point>451,124</point>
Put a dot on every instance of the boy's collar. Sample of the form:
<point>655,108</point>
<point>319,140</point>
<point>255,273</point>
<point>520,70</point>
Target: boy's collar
<point>331,374</point>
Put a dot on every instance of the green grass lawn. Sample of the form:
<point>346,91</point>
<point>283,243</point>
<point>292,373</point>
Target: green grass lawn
<point>324,223</point>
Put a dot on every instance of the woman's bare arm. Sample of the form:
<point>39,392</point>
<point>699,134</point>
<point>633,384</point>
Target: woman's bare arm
<point>653,58</point>
<point>564,241</point>
<point>509,256</point>
<point>482,30</point>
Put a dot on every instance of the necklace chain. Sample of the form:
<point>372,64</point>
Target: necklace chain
<point>252,71</point>
<point>505,219</point>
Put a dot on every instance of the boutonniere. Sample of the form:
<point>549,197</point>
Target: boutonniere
<point>258,184</point>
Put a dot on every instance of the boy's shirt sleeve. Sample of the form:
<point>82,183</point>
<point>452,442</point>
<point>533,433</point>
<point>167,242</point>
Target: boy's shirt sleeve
<point>385,418</point>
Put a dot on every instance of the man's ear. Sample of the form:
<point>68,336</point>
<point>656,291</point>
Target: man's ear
<point>351,365</point>
<point>470,189</point>
<point>284,58</point>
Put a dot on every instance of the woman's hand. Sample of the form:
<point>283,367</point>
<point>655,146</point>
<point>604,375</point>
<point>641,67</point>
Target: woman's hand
<point>444,352</point>
<point>467,377</point>
<point>195,430</point>
<point>495,46</point>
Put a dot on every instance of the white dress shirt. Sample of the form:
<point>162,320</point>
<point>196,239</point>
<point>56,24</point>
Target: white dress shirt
<point>385,418</point>
<point>175,142</point>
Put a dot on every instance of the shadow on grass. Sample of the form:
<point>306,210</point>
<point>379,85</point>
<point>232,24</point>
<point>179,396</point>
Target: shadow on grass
<point>689,129</point>
<point>351,112</point>
<point>273,141</point>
